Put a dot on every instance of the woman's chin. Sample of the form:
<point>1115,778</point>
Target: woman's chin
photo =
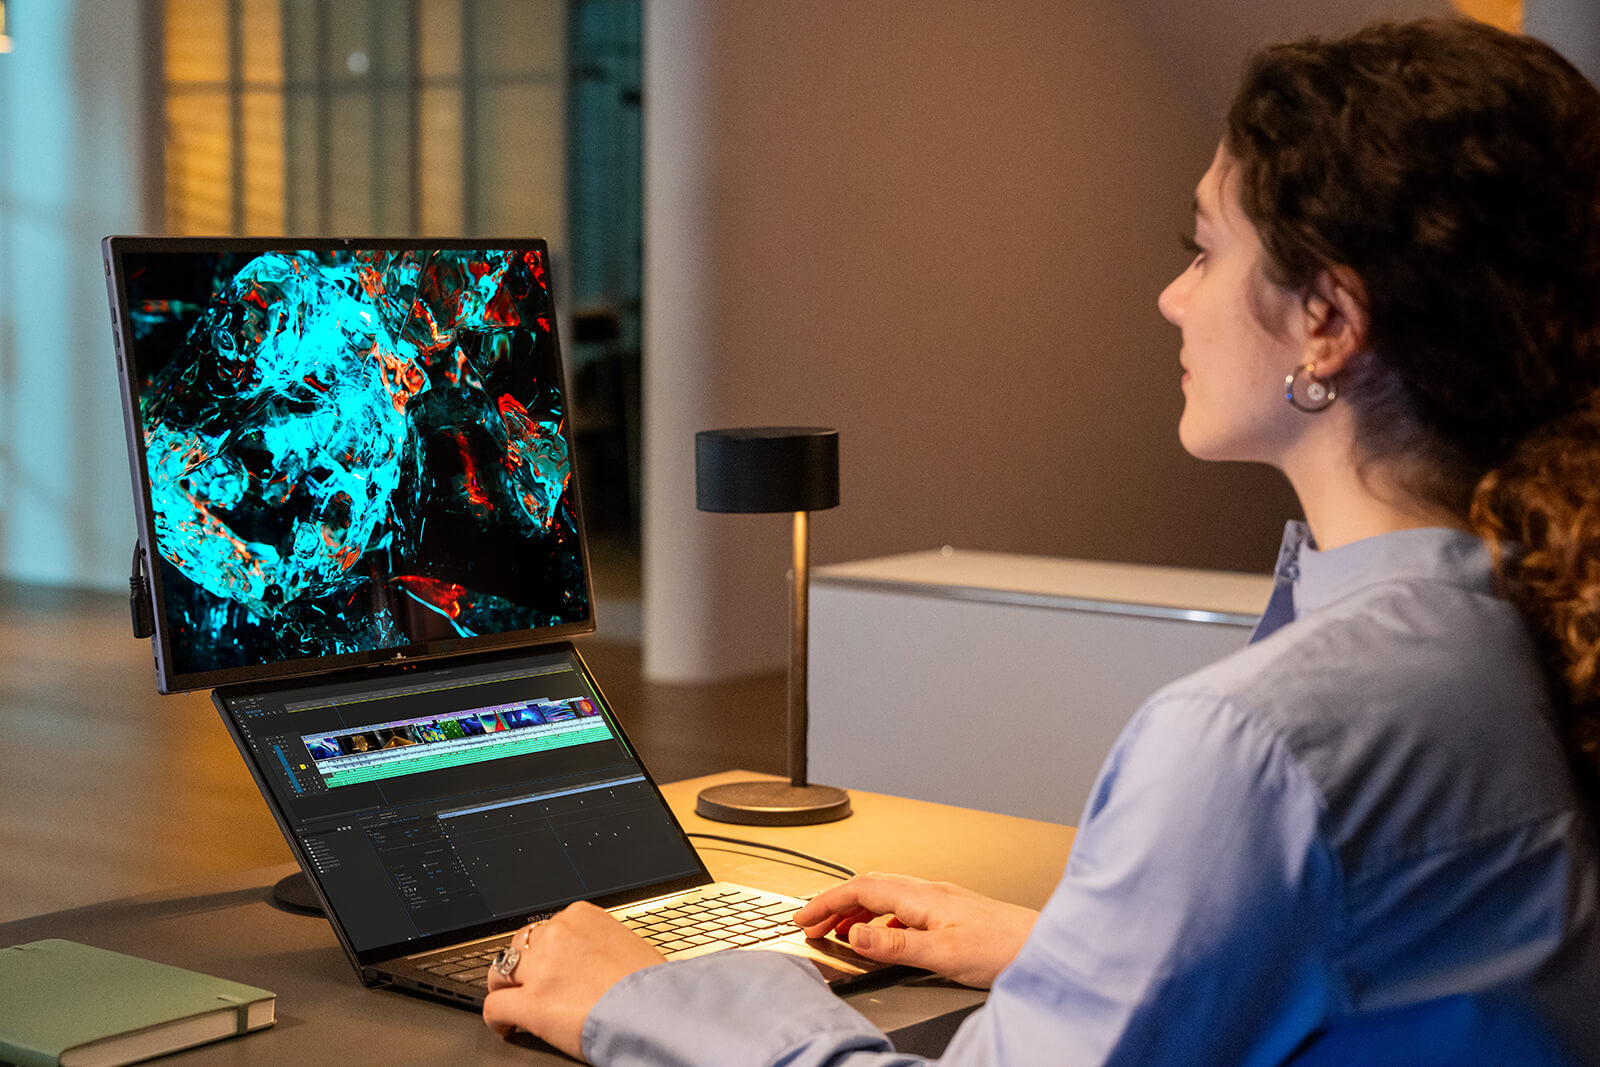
<point>1192,439</point>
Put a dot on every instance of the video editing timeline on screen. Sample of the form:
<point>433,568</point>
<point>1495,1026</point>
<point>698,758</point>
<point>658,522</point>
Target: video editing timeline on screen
<point>450,830</point>
<point>409,746</point>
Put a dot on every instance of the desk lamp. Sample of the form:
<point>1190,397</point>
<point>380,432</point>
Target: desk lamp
<point>767,469</point>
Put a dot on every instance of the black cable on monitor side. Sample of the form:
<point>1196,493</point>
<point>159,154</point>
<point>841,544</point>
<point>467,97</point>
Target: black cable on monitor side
<point>144,623</point>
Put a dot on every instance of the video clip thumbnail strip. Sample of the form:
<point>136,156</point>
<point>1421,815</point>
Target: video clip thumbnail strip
<point>410,746</point>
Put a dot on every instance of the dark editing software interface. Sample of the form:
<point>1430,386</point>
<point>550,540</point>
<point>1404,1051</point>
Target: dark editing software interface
<point>437,802</point>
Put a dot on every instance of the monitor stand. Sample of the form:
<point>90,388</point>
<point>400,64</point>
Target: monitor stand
<point>293,893</point>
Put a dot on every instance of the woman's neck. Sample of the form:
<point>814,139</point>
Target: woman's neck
<point>1344,502</point>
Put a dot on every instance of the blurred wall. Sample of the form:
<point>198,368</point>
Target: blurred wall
<point>72,126</point>
<point>941,228</point>
<point>1573,26</point>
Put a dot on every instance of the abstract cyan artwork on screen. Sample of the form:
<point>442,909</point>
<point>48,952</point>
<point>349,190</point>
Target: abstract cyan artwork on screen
<point>352,450</point>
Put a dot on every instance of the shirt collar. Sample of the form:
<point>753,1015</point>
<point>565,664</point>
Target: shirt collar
<point>1429,553</point>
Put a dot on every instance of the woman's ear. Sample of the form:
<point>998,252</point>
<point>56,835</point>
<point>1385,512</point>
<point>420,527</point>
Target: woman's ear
<point>1337,321</point>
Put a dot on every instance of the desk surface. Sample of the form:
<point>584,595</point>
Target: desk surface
<point>227,928</point>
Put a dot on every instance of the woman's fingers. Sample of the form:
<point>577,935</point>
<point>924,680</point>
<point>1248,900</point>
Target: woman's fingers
<point>861,899</point>
<point>500,1011</point>
<point>839,924</point>
<point>933,925</point>
<point>566,966</point>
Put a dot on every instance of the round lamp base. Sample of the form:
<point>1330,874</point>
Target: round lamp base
<point>772,804</point>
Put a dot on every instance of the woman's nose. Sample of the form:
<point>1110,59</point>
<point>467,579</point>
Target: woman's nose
<point>1171,300</point>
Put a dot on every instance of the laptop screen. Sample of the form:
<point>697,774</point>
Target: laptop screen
<point>438,803</point>
<point>344,451</point>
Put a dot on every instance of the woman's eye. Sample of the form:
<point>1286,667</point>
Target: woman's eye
<point>1190,246</point>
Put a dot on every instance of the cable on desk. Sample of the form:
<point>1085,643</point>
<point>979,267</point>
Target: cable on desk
<point>744,853</point>
<point>808,857</point>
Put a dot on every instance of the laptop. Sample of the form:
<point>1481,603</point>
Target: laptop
<point>437,810</point>
<point>359,526</point>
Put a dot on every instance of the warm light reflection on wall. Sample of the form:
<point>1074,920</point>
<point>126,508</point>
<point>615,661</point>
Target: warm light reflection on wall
<point>224,143</point>
<point>261,117</point>
<point>1506,14</point>
<point>365,116</point>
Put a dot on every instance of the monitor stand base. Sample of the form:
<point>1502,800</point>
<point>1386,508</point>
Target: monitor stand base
<point>294,894</point>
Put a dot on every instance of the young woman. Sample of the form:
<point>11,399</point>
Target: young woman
<point>1369,837</point>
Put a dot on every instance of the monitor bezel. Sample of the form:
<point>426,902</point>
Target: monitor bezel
<point>168,678</point>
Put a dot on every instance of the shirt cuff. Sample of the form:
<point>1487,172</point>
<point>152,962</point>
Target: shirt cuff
<point>744,1006</point>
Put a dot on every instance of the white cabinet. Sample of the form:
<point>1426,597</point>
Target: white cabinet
<point>999,681</point>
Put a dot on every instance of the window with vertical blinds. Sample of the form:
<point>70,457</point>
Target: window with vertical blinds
<point>381,117</point>
<point>448,118</point>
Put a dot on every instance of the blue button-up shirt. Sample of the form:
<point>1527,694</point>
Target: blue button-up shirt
<point>1355,841</point>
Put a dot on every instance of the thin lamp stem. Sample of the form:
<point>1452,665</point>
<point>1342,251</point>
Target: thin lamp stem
<point>798,623</point>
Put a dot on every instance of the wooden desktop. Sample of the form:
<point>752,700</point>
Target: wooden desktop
<point>227,927</point>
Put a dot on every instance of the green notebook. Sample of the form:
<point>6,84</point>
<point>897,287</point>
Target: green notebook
<point>77,1006</point>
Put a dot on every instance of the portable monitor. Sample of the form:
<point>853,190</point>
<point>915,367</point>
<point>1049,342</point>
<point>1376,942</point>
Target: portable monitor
<point>344,452</point>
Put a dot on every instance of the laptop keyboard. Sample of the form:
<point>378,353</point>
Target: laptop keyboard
<point>727,917</point>
<point>471,967</point>
<point>732,917</point>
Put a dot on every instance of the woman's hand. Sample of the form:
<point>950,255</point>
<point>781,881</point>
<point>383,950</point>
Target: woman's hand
<point>934,925</point>
<point>566,964</point>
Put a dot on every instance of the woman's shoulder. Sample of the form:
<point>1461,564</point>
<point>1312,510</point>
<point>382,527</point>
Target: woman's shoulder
<point>1416,709</point>
<point>1423,652</point>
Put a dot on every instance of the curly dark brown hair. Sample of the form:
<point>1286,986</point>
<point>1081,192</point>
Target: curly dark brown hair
<point>1455,169</point>
<point>1540,513</point>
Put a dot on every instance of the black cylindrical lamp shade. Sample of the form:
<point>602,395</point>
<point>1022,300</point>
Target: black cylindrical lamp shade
<point>766,469</point>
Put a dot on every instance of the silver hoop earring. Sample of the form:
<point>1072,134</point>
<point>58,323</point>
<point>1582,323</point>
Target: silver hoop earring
<point>1308,393</point>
